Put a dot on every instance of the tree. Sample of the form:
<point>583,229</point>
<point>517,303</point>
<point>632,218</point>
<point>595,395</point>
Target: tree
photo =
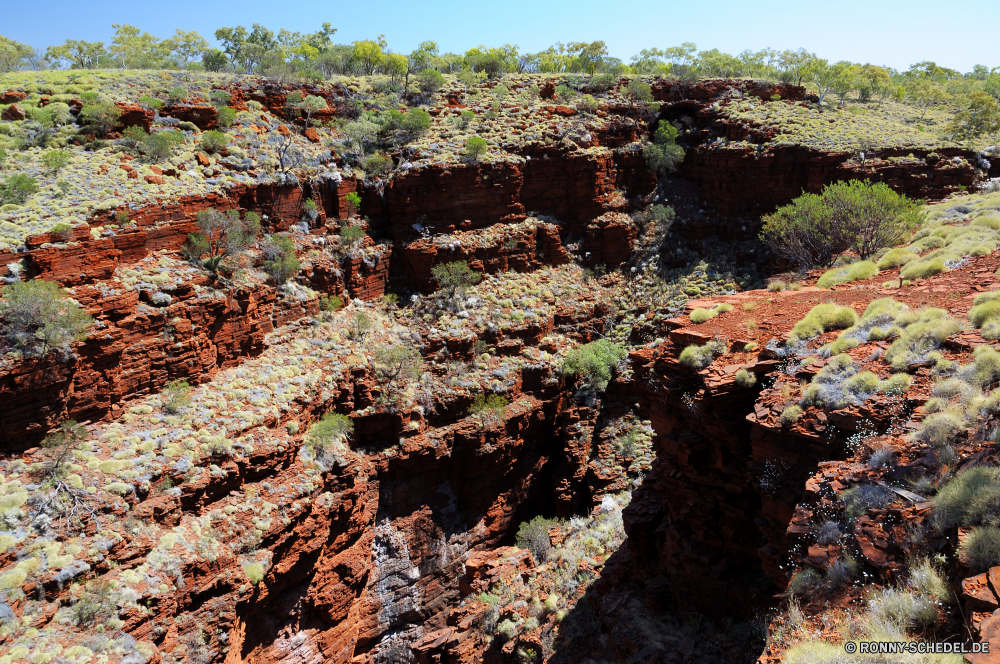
<point>39,316</point>
<point>187,46</point>
<point>533,536</point>
<point>926,93</point>
<point>222,235</point>
<point>79,54</point>
<point>368,54</point>
<point>325,440</point>
<point>663,154</point>
<point>980,115</point>
<point>588,56</point>
<point>454,278</point>
<point>854,215</point>
<point>395,366</point>
<point>395,66</point>
<point>489,409</point>
<point>246,50</point>
<point>873,82</point>
<point>13,54</point>
<point>639,91</point>
<point>310,105</point>
<point>424,57</point>
<point>136,49</point>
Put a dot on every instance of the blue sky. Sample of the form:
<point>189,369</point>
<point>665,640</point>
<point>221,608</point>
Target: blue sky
<point>956,33</point>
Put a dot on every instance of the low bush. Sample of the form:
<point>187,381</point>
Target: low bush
<point>254,572</point>
<point>982,548</point>
<point>803,581</point>
<point>745,379</point>
<point>280,262</point>
<point>593,363</point>
<point>324,441</point>
<point>16,189</point>
<point>699,357</point>
<point>923,269</point>
<point>159,145</point>
<point>534,536</point>
<point>823,318</point>
<point>176,396</point>
<point>853,272</point>
<point>454,278</point>
<point>971,498</point>
<point>863,497</point>
<point>213,141</point>
<point>920,337</point>
<point>895,258</point>
<point>791,414</point>
<point>38,316</point>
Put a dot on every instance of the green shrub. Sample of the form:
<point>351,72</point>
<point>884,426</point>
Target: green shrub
<point>987,317</point>
<point>176,395</point>
<point>534,536</point>
<point>982,548</point>
<point>352,235</point>
<point>280,262</point>
<point>923,269</point>
<point>213,141</point>
<point>430,81</point>
<point>475,148</point>
<point>54,160</point>
<point>593,363</point>
<point>226,116</point>
<point>325,439</point>
<point>455,277</point>
<point>745,379</point>
<point>61,232</point>
<point>16,189</point>
<point>490,408</point>
<point>100,116</point>
<point>895,258</point>
<point>663,154</point>
<point>853,272</point>
<point>861,216</point>
<point>158,146</point>
<point>791,414</point>
<point>699,357</point>
<point>38,316</point>
<point>330,303</point>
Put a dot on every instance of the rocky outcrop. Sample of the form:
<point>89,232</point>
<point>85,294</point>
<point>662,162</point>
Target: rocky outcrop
<point>203,116</point>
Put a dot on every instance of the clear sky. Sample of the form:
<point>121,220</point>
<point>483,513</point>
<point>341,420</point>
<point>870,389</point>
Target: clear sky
<point>954,33</point>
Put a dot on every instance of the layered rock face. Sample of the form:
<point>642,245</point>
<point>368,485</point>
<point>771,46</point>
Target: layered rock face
<point>379,557</point>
